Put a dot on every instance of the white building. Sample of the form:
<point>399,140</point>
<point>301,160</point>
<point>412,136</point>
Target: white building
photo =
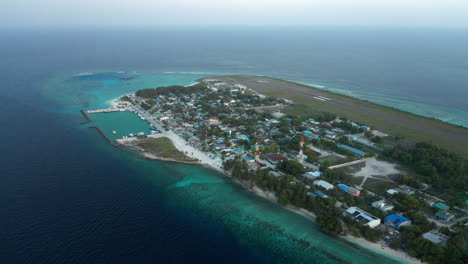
<point>324,184</point>
<point>361,215</point>
<point>312,174</point>
<point>383,205</point>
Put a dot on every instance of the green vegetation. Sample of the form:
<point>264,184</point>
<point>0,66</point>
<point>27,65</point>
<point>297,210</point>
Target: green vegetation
<point>418,247</point>
<point>446,172</point>
<point>163,147</point>
<point>287,193</point>
<point>175,90</point>
<point>300,110</point>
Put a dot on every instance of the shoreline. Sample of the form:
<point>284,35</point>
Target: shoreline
<point>208,162</point>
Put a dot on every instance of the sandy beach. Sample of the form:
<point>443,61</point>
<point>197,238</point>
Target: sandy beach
<point>397,254</point>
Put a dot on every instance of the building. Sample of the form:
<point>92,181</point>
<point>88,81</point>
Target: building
<point>354,150</point>
<point>213,121</point>
<point>321,194</point>
<point>441,206</point>
<point>406,190</point>
<point>365,128</point>
<point>324,184</point>
<point>444,216</point>
<point>436,237</point>
<point>349,190</point>
<point>392,191</point>
<point>397,220</point>
<point>248,159</point>
<point>360,215</point>
<point>275,158</point>
<point>383,205</point>
<point>312,175</point>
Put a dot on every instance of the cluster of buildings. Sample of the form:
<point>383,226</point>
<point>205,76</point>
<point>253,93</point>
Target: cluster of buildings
<point>224,121</point>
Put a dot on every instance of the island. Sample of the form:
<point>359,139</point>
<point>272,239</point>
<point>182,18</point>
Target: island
<point>380,177</point>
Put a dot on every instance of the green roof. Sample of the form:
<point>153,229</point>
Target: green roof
<point>441,206</point>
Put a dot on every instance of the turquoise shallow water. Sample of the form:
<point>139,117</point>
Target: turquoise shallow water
<point>255,222</point>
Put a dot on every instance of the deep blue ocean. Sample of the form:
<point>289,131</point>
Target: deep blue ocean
<point>66,196</point>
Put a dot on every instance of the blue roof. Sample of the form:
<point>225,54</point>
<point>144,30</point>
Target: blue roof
<point>397,219</point>
<point>343,187</point>
<point>307,132</point>
<point>356,151</point>
<point>312,194</point>
<point>321,194</point>
<point>330,132</point>
<point>247,158</point>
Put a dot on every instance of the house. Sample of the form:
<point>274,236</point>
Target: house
<point>436,237</point>
<point>392,191</point>
<point>349,190</point>
<point>239,86</point>
<point>383,205</point>
<point>275,158</point>
<point>441,206</point>
<point>360,215</point>
<point>444,216</point>
<point>321,194</point>
<point>407,190</point>
<point>354,150</point>
<point>312,175</point>
<point>397,220</point>
<point>324,184</point>
<point>213,121</point>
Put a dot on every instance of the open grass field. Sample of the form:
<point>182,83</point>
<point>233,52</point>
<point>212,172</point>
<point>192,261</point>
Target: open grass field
<point>393,121</point>
<point>163,147</point>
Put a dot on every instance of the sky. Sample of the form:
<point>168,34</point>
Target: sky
<point>430,13</point>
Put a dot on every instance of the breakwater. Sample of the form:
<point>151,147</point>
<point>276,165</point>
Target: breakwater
<point>86,116</point>
<point>106,110</point>
<point>102,133</point>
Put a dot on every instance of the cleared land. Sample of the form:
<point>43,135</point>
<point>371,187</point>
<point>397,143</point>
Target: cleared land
<point>164,148</point>
<point>399,123</point>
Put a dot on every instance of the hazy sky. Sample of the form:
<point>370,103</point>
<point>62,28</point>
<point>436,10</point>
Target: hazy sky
<point>235,12</point>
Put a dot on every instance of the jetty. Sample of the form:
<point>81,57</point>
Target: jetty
<point>107,110</point>
<point>85,114</point>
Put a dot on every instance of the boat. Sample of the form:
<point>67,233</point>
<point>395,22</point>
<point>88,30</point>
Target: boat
<point>131,135</point>
<point>141,134</point>
<point>114,132</point>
